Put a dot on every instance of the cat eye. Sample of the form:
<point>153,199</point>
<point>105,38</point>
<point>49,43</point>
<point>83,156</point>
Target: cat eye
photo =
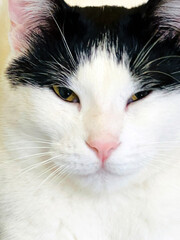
<point>66,94</point>
<point>138,96</point>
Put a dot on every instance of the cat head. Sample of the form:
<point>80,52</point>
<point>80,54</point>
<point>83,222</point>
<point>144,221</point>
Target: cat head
<point>99,85</point>
<point>30,16</point>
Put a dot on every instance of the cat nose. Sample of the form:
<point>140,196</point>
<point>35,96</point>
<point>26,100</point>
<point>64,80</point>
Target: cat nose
<point>103,147</point>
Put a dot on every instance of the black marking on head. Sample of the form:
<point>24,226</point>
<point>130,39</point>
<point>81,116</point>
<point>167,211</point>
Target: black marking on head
<point>48,61</point>
<point>159,66</point>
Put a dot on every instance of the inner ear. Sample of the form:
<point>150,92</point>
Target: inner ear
<point>30,16</point>
<point>166,16</point>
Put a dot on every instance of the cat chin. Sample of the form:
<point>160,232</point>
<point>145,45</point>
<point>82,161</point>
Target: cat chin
<point>103,181</point>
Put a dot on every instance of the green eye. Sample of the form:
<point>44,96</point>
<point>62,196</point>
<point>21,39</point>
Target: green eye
<point>138,96</point>
<point>66,94</point>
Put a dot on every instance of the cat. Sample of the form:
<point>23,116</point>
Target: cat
<point>89,123</point>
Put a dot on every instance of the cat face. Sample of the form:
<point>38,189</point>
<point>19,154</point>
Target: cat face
<point>100,86</point>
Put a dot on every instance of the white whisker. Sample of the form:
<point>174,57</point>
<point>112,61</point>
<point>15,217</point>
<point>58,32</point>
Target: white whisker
<point>22,142</point>
<point>25,158</point>
<point>37,165</point>
<point>163,73</point>
<point>64,41</point>
<point>142,50</point>
<point>138,64</point>
<point>24,148</point>
<point>157,59</point>
<point>49,176</point>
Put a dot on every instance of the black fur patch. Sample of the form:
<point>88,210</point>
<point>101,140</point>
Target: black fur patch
<point>154,62</point>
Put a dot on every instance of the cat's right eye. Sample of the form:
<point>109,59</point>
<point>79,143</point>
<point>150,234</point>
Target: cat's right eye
<point>138,96</point>
<point>66,94</point>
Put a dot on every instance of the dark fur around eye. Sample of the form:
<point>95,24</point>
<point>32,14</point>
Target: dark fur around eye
<point>154,62</point>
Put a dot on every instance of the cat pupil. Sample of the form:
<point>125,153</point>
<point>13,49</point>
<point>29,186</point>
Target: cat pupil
<point>65,93</point>
<point>143,94</point>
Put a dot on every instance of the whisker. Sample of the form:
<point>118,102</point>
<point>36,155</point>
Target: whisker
<point>49,176</point>
<point>24,148</point>
<point>138,64</point>
<point>67,70</point>
<point>141,52</point>
<point>36,165</point>
<point>64,41</point>
<point>62,173</point>
<point>30,156</point>
<point>157,59</point>
<point>22,142</point>
<point>48,170</point>
<point>175,72</point>
<point>166,74</point>
<point>35,137</point>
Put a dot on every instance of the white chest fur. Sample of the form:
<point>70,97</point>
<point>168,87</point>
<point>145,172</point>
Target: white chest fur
<point>32,210</point>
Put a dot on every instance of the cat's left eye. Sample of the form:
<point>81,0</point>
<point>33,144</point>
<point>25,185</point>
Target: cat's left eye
<point>66,94</point>
<point>138,96</point>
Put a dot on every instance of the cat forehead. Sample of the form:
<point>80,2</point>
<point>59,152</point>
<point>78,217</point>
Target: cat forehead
<point>102,73</point>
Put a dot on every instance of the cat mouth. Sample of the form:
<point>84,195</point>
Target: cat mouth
<point>105,172</point>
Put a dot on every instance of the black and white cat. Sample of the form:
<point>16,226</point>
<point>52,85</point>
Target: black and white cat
<point>89,124</point>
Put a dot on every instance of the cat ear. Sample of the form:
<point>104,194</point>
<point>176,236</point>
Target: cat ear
<point>27,17</point>
<point>167,14</point>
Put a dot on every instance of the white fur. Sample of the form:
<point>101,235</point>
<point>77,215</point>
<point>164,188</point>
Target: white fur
<point>136,197</point>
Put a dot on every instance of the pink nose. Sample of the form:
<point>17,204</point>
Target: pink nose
<point>103,148</point>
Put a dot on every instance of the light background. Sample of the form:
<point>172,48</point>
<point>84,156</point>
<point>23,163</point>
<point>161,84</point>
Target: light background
<point>4,21</point>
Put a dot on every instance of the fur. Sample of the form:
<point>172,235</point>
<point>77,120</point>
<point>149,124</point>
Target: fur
<point>53,185</point>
